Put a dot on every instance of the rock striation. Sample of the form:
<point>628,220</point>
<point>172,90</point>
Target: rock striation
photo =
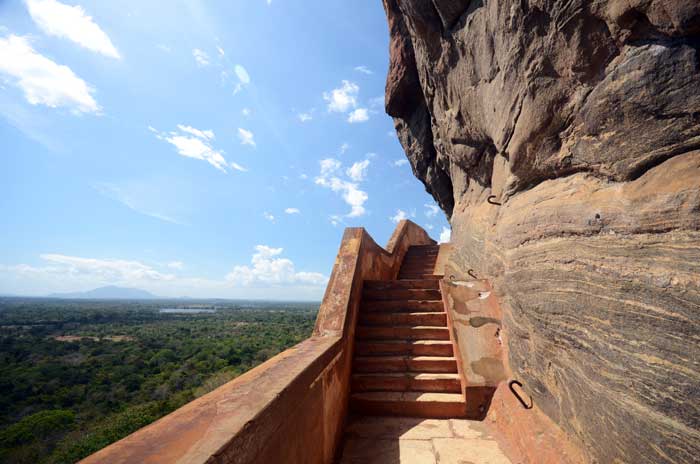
<point>582,120</point>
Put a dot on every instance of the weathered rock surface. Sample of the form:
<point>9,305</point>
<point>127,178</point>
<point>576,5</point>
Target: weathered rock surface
<point>583,119</point>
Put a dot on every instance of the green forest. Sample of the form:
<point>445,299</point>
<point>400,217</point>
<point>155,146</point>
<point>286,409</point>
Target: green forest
<point>76,375</point>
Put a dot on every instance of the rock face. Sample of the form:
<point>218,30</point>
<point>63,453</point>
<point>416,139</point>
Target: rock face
<point>583,120</point>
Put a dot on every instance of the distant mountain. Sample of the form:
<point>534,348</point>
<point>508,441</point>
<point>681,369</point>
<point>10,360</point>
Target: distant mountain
<point>109,293</point>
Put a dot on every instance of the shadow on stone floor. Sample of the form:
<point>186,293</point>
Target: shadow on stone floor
<point>406,440</point>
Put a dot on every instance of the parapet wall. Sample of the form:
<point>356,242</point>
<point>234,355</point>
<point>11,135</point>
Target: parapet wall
<point>292,408</point>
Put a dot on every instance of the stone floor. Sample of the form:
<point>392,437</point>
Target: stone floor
<point>403,440</point>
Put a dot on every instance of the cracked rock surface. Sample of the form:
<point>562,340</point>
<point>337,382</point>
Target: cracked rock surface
<point>583,119</point>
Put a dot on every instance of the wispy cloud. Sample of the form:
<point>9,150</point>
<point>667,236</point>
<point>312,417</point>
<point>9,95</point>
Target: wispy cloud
<point>292,211</point>
<point>131,201</point>
<point>72,23</point>
<point>243,78</point>
<point>400,162</point>
<point>304,117</point>
<point>238,167</point>
<point>349,191</point>
<point>246,137</point>
<point>268,270</point>
<point>343,148</point>
<point>431,210</point>
<point>43,81</point>
<point>269,216</point>
<point>178,265</point>
<point>246,112</point>
<point>106,270</point>
<point>194,143</point>
<point>363,69</point>
<point>201,57</point>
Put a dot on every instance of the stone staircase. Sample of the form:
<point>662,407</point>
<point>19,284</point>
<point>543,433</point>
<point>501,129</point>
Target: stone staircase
<point>404,361</point>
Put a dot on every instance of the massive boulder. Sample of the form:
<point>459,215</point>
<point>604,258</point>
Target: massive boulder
<point>581,121</point>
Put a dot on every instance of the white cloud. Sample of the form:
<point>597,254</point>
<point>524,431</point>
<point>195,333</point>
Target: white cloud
<point>242,74</point>
<point>243,78</point>
<point>269,216</point>
<point>303,176</point>
<point>342,99</point>
<point>391,134</point>
<point>268,269</point>
<point>43,81</point>
<point>400,162</point>
<point>72,23</point>
<point>303,117</point>
<point>238,167</point>
<point>431,210</point>
<point>349,191</point>
<point>358,115</point>
<point>344,147</point>
<point>399,216</point>
<point>329,166</point>
<point>445,235</point>
<point>178,265</point>
<point>200,57</point>
<point>203,134</point>
<point>246,112</point>
<point>358,171</point>
<point>221,51</point>
<point>363,69</point>
<point>292,211</point>
<point>194,143</point>
<point>246,137</point>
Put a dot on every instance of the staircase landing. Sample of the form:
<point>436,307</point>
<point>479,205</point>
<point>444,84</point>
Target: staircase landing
<point>406,440</point>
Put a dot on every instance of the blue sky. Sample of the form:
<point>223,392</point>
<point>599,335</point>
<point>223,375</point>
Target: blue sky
<point>195,148</point>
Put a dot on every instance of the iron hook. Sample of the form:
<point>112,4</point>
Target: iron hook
<point>525,405</point>
<point>491,198</point>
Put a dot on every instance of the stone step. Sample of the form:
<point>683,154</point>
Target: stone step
<point>419,277</point>
<point>402,294</point>
<point>402,306</point>
<point>423,248</point>
<point>420,332</point>
<point>418,382</point>
<point>404,319</point>
<point>410,404</point>
<point>433,364</point>
<point>404,347</point>
<point>417,270</point>
<point>423,284</point>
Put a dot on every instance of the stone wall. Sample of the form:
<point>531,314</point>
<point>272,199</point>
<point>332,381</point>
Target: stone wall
<point>292,408</point>
<point>581,120</point>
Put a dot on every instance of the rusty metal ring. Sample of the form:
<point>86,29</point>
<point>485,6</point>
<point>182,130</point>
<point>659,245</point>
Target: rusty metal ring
<point>491,198</point>
<point>472,274</point>
<point>525,405</point>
